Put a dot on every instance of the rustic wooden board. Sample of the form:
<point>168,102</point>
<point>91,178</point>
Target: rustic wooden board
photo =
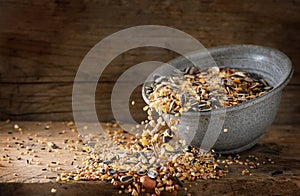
<point>43,43</point>
<point>54,101</point>
<point>280,143</point>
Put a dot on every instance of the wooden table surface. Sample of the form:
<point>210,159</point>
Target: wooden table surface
<point>18,177</point>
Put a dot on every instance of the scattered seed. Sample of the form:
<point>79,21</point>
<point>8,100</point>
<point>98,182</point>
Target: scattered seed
<point>111,171</point>
<point>53,190</point>
<point>125,179</point>
<point>152,173</point>
<point>148,182</point>
<point>154,159</point>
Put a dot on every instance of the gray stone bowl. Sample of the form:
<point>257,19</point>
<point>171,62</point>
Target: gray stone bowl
<point>246,122</point>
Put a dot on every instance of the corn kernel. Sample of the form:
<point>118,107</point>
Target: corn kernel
<point>144,141</point>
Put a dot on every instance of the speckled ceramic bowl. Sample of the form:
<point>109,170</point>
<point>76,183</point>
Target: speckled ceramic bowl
<point>246,122</point>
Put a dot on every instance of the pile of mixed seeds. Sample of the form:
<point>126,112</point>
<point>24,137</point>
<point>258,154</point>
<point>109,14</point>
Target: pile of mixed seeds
<point>203,90</point>
<point>141,164</point>
<point>157,160</point>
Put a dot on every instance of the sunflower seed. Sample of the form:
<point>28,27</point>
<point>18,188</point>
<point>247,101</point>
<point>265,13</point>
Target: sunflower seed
<point>177,181</point>
<point>141,172</point>
<point>125,179</point>
<point>239,74</point>
<point>111,171</point>
<point>152,173</point>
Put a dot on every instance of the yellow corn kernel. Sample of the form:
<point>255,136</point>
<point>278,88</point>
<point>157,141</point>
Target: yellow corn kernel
<point>76,178</point>
<point>64,179</point>
<point>180,110</point>
<point>144,141</point>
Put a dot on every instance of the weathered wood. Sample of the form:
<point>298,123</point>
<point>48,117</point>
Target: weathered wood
<point>54,101</point>
<point>280,143</point>
<point>43,43</point>
<point>280,186</point>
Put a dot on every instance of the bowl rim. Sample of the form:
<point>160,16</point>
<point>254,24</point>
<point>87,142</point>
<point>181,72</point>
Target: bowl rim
<point>220,49</point>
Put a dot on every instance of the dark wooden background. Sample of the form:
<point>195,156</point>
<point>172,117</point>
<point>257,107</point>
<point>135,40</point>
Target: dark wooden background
<point>42,44</point>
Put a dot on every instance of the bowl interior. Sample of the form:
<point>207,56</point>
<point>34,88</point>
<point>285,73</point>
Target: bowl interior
<point>270,64</point>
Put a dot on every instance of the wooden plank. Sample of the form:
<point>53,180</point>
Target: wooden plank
<point>244,20</point>
<point>221,187</point>
<point>280,143</point>
<point>50,101</point>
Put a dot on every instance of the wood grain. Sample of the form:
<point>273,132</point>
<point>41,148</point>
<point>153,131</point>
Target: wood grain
<point>280,143</point>
<point>43,43</point>
<point>35,103</point>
